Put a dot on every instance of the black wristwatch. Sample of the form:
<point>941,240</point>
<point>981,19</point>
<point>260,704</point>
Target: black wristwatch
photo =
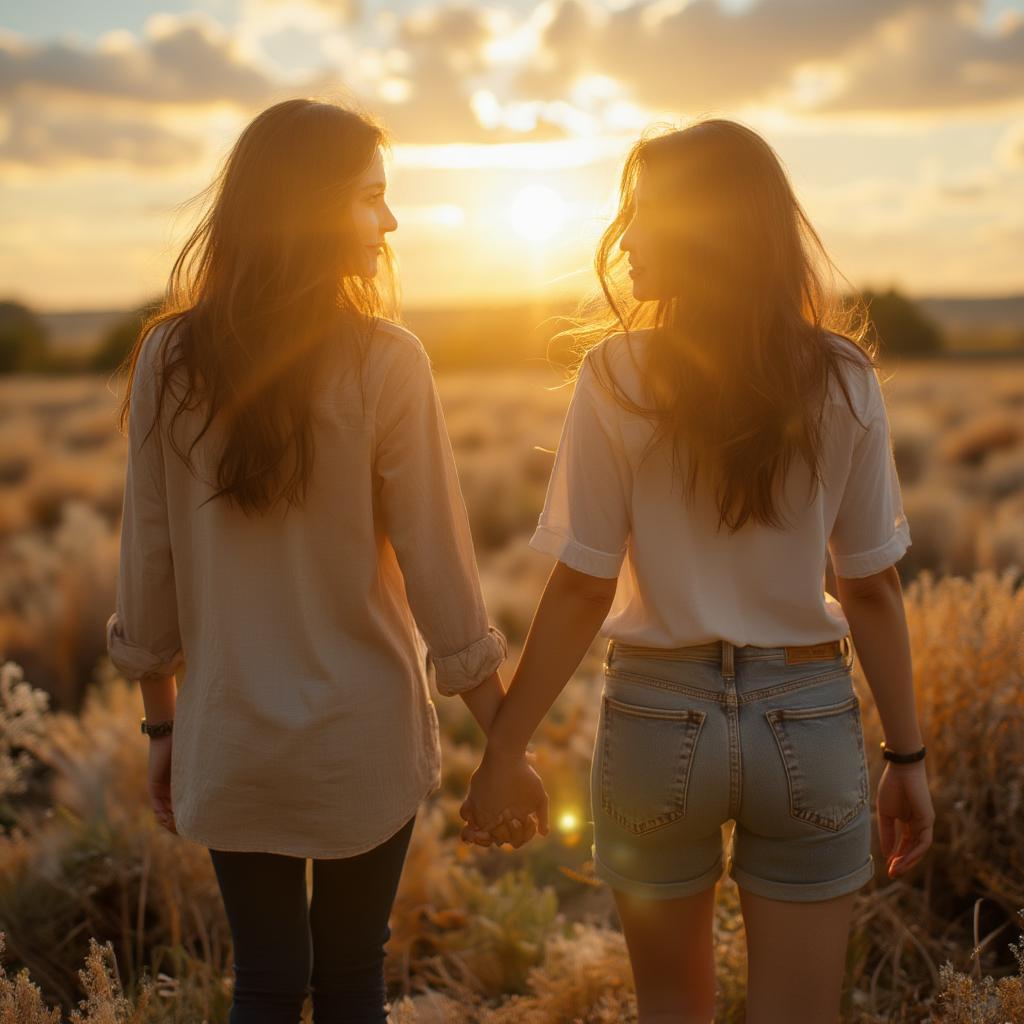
<point>891,755</point>
<point>157,728</point>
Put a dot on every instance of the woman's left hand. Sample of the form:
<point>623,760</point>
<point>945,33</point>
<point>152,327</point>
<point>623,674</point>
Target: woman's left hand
<point>160,750</point>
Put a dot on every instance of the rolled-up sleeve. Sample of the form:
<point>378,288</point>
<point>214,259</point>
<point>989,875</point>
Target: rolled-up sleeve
<point>870,531</point>
<point>585,522</point>
<point>427,523</point>
<point>143,637</point>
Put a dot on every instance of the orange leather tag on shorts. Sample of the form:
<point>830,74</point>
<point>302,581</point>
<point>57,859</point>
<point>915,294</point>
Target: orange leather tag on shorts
<point>812,652</point>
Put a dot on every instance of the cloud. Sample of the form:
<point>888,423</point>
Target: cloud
<point>180,61</point>
<point>701,55</point>
<point>39,136</point>
<point>450,81</point>
<point>895,56</point>
<point>341,10</point>
<point>968,186</point>
<point>459,72</point>
<point>422,80</point>
<point>933,64</point>
<point>67,105</point>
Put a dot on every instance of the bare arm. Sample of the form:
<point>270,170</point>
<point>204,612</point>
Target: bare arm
<point>567,619</point>
<point>873,606</point>
<point>159,695</point>
<point>484,700</point>
<point>570,612</point>
<point>585,525</point>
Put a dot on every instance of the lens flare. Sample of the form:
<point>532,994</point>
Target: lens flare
<point>568,822</point>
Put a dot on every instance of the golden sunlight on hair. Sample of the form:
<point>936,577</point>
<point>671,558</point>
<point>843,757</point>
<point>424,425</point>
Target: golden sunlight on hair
<point>745,315</point>
<point>276,255</point>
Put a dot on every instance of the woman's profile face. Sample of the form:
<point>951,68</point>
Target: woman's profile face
<point>371,216</point>
<point>641,242</point>
<point>674,230</point>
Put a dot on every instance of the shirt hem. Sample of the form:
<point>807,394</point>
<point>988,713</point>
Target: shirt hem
<point>287,850</point>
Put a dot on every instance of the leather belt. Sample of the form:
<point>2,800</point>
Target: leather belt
<point>795,654</point>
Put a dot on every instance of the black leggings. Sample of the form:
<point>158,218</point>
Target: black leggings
<point>332,946</point>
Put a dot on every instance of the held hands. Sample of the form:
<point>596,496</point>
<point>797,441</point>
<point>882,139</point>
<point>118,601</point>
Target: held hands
<point>159,780</point>
<point>505,795</point>
<point>905,803</point>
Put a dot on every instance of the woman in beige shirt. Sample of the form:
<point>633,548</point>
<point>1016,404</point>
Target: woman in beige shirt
<point>728,691</point>
<point>293,542</point>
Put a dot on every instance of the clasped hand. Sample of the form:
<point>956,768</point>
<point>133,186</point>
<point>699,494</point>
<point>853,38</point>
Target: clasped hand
<point>507,802</point>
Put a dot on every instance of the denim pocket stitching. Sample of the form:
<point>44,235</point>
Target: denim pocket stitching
<point>663,684</point>
<point>790,761</point>
<point>793,684</point>
<point>678,785</point>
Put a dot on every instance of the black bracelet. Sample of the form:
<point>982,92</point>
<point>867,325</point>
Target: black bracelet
<point>891,755</point>
<point>157,728</point>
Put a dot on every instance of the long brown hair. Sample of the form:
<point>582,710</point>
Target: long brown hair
<point>259,294</point>
<point>739,357</point>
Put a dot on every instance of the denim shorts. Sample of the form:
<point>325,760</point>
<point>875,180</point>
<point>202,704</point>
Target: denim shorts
<point>768,737</point>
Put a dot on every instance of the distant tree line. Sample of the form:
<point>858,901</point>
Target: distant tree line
<point>25,345</point>
<point>117,341</point>
<point>24,341</point>
<point>900,325</point>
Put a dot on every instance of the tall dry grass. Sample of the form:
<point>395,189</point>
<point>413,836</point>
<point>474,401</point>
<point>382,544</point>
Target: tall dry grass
<point>484,936</point>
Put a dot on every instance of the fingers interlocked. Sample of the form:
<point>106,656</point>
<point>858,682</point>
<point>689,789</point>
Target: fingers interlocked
<point>513,826</point>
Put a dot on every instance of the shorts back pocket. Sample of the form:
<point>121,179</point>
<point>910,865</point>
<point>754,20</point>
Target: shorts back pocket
<point>646,756</point>
<point>822,750</point>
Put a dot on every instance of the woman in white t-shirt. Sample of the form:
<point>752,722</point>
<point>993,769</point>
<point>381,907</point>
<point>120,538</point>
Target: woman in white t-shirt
<point>734,371</point>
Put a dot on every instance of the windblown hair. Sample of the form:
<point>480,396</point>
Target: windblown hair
<point>263,290</point>
<point>738,358</point>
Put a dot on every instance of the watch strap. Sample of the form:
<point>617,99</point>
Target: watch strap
<point>892,755</point>
<point>157,728</point>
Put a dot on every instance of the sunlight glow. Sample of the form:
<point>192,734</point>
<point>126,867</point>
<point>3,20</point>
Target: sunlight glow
<point>525,156</point>
<point>568,821</point>
<point>537,212</point>
<point>395,90</point>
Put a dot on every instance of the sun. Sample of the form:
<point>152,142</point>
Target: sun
<point>537,212</point>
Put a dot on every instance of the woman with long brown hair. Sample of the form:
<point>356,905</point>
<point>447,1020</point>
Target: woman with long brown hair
<point>292,524</point>
<point>730,365</point>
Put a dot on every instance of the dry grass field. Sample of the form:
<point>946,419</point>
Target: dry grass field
<point>109,919</point>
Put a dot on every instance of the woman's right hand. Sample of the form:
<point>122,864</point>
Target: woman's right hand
<point>905,815</point>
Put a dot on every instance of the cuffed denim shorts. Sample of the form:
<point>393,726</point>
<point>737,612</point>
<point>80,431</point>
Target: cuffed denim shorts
<point>769,737</point>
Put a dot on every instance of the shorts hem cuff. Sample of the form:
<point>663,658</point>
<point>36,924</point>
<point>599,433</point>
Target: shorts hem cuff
<point>659,890</point>
<point>803,891</point>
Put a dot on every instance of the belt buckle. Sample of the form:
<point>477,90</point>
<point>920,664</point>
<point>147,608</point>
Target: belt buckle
<point>609,653</point>
<point>846,649</point>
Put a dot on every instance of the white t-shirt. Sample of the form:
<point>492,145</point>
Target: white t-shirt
<point>680,581</point>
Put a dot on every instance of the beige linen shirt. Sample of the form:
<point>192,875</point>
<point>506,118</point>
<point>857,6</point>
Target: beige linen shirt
<point>679,581</point>
<point>304,722</point>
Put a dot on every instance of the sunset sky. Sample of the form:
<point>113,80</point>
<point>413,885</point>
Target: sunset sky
<point>901,123</point>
